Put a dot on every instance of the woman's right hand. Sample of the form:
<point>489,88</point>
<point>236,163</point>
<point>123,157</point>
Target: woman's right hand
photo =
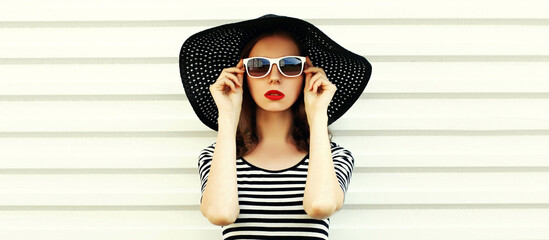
<point>227,89</point>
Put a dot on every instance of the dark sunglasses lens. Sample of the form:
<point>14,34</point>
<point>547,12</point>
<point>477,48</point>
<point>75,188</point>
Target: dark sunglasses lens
<point>258,67</point>
<point>291,66</point>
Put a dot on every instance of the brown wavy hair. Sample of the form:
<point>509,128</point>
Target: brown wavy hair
<point>246,135</point>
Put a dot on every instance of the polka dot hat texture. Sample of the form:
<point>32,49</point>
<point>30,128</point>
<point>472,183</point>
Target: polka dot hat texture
<point>205,54</point>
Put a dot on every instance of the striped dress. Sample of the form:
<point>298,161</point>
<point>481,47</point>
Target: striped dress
<point>271,202</point>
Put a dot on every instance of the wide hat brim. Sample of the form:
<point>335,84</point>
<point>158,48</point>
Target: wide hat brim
<point>205,54</point>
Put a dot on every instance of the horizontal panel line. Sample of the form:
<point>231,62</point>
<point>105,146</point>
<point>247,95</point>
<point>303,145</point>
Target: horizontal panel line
<point>94,171</point>
<point>439,132</point>
<point>78,61</point>
<point>103,208</point>
<point>458,58</point>
<point>365,95</point>
<point>455,95</point>
<point>449,206</point>
<point>432,21</point>
<point>97,97</point>
<point>118,171</point>
<point>156,134</point>
<point>371,58</point>
<point>323,21</point>
<point>452,169</point>
<point>346,206</point>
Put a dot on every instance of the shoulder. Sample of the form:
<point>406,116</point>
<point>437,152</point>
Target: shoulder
<point>333,144</point>
<point>341,152</point>
<point>209,147</point>
<point>207,152</point>
<point>337,148</point>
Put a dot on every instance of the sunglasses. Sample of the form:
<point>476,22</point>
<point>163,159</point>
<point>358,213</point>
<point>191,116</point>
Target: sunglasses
<point>289,66</point>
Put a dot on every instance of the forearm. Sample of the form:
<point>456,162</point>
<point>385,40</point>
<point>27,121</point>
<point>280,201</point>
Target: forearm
<point>220,197</point>
<point>322,196</point>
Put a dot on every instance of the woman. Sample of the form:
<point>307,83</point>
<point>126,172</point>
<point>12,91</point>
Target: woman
<point>273,109</point>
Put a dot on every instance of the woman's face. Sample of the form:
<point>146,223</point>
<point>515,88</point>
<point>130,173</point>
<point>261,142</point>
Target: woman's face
<point>273,47</point>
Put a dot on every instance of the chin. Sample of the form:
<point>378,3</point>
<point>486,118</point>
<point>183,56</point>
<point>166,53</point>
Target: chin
<point>274,108</point>
<point>281,105</point>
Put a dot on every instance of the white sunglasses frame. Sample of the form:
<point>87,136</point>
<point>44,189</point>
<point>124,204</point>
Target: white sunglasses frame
<point>273,61</point>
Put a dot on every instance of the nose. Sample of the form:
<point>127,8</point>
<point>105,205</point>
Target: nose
<point>275,74</point>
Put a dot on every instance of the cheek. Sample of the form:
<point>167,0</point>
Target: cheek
<point>297,87</point>
<point>254,90</point>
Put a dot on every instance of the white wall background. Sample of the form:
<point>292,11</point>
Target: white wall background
<point>451,136</point>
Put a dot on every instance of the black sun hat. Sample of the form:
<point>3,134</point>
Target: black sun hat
<point>205,54</point>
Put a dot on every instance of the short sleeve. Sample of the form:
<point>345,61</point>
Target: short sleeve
<point>343,164</point>
<point>204,163</point>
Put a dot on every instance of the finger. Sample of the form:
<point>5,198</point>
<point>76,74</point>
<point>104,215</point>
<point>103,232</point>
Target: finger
<point>233,70</point>
<point>318,83</point>
<point>235,81</point>
<point>223,83</point>
<point>314,78</point>
<point>240,63</point>
<point>314,82</point>
<point>314,69</point>
<point>308,77</point>
<point>230,83</point>
<point>233,77</point>
<point>308,62</point>
<point>240,75</point>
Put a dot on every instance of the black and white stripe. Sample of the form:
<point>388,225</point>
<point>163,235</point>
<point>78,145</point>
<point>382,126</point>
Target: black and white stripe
<point>271,202</point>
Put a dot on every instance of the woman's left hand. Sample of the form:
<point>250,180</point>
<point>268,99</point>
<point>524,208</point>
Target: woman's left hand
<point>318,91</point>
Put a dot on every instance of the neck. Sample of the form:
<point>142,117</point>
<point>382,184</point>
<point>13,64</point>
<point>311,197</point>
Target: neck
<point>274,127</point>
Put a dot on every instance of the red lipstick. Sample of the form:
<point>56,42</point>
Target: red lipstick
<point>274,95</point>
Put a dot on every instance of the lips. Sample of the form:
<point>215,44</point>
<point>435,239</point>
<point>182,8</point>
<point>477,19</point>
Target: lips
<point>274,95</point>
